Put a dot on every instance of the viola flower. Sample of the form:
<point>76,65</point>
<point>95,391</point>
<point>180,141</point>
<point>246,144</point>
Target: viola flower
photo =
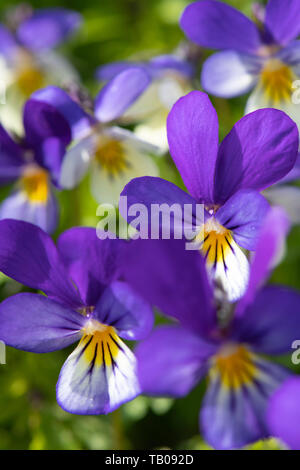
<point>85,301</point>
<point>33,164</point>
<point>170,78</point>
<point>263,56</point>
<point>283,413</point>
<point>225,343</point>
<point>28,59</point>
<point>113,155</point>
<point>260,150</point>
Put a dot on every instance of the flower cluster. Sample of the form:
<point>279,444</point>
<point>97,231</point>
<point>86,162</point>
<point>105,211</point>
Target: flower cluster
<point>223,321</point>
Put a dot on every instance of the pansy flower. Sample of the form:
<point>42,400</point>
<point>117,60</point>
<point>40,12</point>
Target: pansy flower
<point>113,155</point>
<point>260,150</point>
<point>170,78</point>
<point>283,414</point>
<point>28,61</point>
<point>85,301</point>
<point>264,56</point>
<point>227,344</point>
<point>33,164</point>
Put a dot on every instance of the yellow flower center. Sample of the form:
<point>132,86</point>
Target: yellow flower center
<point>29,77</point>
<point>111,156</point>
<point>277,81</point>
<point>35,184</point>
<point>101,343</point>
<point>216,241</point>
<point>234,366</point>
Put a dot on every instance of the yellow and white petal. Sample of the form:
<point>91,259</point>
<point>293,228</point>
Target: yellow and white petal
<point>147,104</point>
<point>154,131</point>
<point>114,165</point>
<point>57,69</point>
<point>77,161</point>
<point>226,262</point>
<point>99,375</point>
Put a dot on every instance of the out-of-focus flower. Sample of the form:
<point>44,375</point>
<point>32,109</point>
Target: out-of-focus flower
<point>260,150</point>
<point>226,343</point>
<point>113,155</point>
<point>170,78</point>
<point>287,195</point>
<point>33,163</point>
<point>283,414</point>
<point>84,301</point>
<point>264,56</point>
<point>28,61</point>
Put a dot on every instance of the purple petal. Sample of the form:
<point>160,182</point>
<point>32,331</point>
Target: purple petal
<point>47,28</point>
<point>8,44</point>
<point>173,279</point>
<point>260,150</point>
<point>294,174</point>
<point>42,121</point>
<point>283,414</point>
<point>121,307</point>
<point>92,263</point>
<point>269,246</point>
<point>244,214</point>
<point>171,361</point>
<point>50,155</point>
<point>32,322</point>
<point>28,255</point>
<point>216,25</point>
<point>192,128</point>
<point>121,92</point>
<point>151,191</point>
<point>79,121</point>
<point>283,20</point>
<point>11,159</point>
<point>228,74</point>
<point>108,71</point>
<point>18,206</point>
<point>231,417</point>
<point>291,54</point>
<point>271,323</point>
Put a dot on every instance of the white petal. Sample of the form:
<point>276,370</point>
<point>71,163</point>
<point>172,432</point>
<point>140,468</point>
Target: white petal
<point>98,376</point>
<point>153,130</point>
<point>76,162</point>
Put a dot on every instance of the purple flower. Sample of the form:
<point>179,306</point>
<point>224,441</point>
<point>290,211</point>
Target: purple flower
<point>283,414</point>
<point>113,155</point>
<point>27,59</point>
<point>34,164</point>
<point>170,78</point>
<point>260,150</point>
<point>226,343</point>
<point>86,301</point>
<point>263,56</point>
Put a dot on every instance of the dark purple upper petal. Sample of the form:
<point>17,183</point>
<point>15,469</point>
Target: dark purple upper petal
<point>171,63</point>
<point>50,154</point>
<point>283,20</point>
<point>32,322</point>
<point>269,246</point>
<point>79,121</point>
<point>43,121</point>
<point>192,128</point>
<point>121,92</point>
<point>11,159</point>
<point>260,150</point>
<point>244,214</point>
<point>92,263</point>
<point>216,25</point>
<point>47,28</point>
<point>171,361</point>
<point>108,71</point>
<point>272,322</point>
<point>121,307</point>
<point>8,43</point>
<point>28,255</point>
<point>283,413</point>
<point>173,279</point>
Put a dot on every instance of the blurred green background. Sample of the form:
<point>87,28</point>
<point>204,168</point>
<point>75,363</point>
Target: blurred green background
<point>29,415</point>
